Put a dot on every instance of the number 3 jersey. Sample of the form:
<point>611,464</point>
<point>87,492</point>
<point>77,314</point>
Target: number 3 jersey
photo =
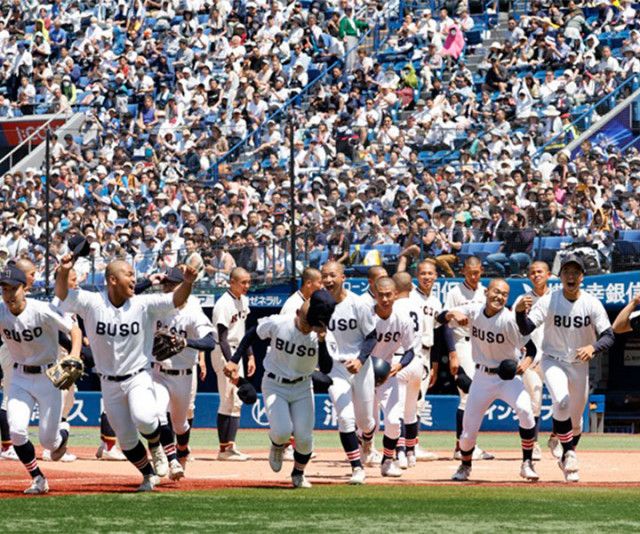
<point>32,336</point>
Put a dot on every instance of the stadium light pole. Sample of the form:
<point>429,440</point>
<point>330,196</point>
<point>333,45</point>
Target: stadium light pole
<point>292,198</point>
<point>47,231</point>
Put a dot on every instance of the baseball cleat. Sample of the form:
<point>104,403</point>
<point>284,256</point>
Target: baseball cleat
<point>537,452</point>
<point>149,483</point>
<point>58,453</point>
<point>373,457</point>
<point>113,454</point>
<point>287,455</point>
<point>462,473</point>
<point>358,476</point>
<point>389,468</point>
<point>176,471</point>
<point>275,457</point>
<point>233,455</point>
<point>67,457</point>
<point>9,454</point>
<point>423,455</point>
<point>300,481</point>
<point>527,471</point>
<point>411,460</point>
<point>403,461</point>
<point>570,467</point>
<point>39,486</point>
<point>457,455</point>
<point>159,460</point>
<point>555,447</point>
<point>479,454</point>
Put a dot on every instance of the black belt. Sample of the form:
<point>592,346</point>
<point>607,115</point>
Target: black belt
<point>173,372</point>
<point>488,370</point>
<point>121,378</point>
<point>33,369</point>
<point>285,380</point>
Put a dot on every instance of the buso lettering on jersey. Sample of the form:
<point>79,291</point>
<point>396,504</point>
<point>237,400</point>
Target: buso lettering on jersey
<point>291,348</point>
<point>23,335</point>
<point>172,329</point>
<point>123,330</point>
<point>342,325</point>
<point>570,321</point>
<point>489,337</point>
<point>387,337</point>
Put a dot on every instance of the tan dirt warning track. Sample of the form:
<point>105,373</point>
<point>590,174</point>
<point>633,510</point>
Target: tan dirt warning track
<point>88,475</point>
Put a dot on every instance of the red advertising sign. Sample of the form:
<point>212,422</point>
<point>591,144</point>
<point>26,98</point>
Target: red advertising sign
<point>14,132</point>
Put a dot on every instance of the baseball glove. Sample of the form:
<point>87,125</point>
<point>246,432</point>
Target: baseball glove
<point>166,344</point>
<point>66,372</point>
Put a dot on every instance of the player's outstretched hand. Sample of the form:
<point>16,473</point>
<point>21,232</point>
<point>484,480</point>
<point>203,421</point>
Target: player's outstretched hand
<point>66,262</point>
<point>190,274</point>
<point>458,317</point>
<point>395,369</point>
<point>353,365</point>
<point>157,278</point>
<point>251,366</point>
<point>636,300</point>
<point>585,354</point>
<point>230,370</point>
<point>524,304</point>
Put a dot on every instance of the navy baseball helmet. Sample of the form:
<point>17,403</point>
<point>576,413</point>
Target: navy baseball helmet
<point>79,246</point>
<point>507,369</point>
<point>246,391</point>
<point>381,369</point>
<point>321,307</point>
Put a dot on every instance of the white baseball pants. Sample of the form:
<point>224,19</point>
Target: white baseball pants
<point>485,389</point>
<point>390,397</point>
<point>131,407</point>
<point>532,379</point>
<point>26,391</point>
<point>7,370</point>
<point>230,403</point>
<point>173,394</point>
<point>193,393</point>
<point>290,410</point>
<point>568,385</point>
<point>411,379</point>
<point>465,360</point>
<point>353,397</point>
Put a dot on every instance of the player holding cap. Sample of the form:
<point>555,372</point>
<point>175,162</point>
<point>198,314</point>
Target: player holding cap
<point>311,281</point>
<point>470,290</point>
<point>576,328</point>
<point>120,327</point>
<point>172,377</point>
<point>496,347</point>
<point>352,392</point>
<point>30,331</point>
<point>296,344</point>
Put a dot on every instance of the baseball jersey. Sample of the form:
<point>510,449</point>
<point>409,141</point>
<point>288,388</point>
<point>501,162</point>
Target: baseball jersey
<point>232,312</point>
<point>352,321</point>
<point>567,325</point>
<point>393,333</point>
<point>291,353</point>
<point>190,322</point>
<point>461,295</point>
<point>410,307</point>
<point>32,336</point>
<point>368,299</point>
<point>293,304</point>
<point>121,338</point>
<point>538,334</point>
<point>494,338</point>
<point>430,308</point>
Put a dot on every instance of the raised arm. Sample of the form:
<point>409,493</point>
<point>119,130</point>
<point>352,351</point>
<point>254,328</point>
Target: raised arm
<point>62,278</point>
<point>622,325</point>
<point>182,292</point>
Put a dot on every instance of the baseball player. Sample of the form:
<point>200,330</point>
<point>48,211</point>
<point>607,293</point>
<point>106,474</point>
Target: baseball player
<point>539,275</point>
<point>373,275</point>
<point>395,329</point>
<point>311,281</point>
<point>119,326</point>
<point>495,342</point>
<point>352,392</point>
<point>30,330</point>
<point>575,329</point>
<point>172,378</point>
<point>470,290</point>
<point>229,317</point>
<point>623,322</point>
<point>287,388</point>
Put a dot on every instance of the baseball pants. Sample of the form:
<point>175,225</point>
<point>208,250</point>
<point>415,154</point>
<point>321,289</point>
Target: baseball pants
<point>26,391</point>
<point>7,370</point>
<point>173,395</point>
<point>290,410</point>
<point>230,403</point>
<point>411,379</point>
<point>353,397</point>
<point>568,385</point>
<point>532,379</point>
<point>465,360</point>
<point>485,389</point>
<point>390,397</point>
<point>131,406</point>
<point>193,392</point>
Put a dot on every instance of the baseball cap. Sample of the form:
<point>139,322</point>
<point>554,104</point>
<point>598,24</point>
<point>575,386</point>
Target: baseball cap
<point>246,392</point>
<point>12,276</point>
<point>576,260</point>
<point>79,246</point>
<point>174,275</point>
<point>321,307</point>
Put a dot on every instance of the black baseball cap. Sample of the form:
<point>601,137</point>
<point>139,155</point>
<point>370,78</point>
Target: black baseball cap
<point>174,276</point>
<point>321,307</point>
<point>576,260</point>
<point>79,246</point>
<point>12,276</point>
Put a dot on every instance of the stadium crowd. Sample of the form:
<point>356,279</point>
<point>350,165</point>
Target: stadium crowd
<point>404,145</point>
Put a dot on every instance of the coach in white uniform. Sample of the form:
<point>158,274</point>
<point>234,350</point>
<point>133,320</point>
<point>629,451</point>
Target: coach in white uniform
<point>470,290</point>
<point>311,281</point>
<point>352,392</point>
<point>494,339</point>
<point>30,328</point>
<point>576,328</point>
<point>229,318</point>
<point>120,328</point>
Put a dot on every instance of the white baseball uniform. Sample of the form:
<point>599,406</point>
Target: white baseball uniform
<point>351,394</point>
<point>293,303</point>
<point>367,298</point>
<point>121,339</point>
<point>231,312</point>
<point>493,339</point>
<point>394,333</point>
<point>32,341</point>
<point>7,372</point>
<point>287,389</point>
<point>568,326</point>
<point>173,377</point>
<point>461,295</point>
